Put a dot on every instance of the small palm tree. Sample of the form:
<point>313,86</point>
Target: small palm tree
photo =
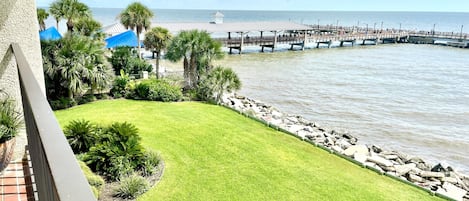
<point>136,17</point>
<point>81,135</point>
<point>87,26</point>
<point>72,10</point>
<point>218,81</point>
<point>197,49</point>
<point>157,39</point>
<point>57,12</point>
<point>42,15</point>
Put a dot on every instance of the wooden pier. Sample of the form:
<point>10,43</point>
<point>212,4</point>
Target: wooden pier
<point>271,34</point>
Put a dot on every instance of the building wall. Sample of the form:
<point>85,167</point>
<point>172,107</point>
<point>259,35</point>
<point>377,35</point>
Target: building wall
<point>18,24</point>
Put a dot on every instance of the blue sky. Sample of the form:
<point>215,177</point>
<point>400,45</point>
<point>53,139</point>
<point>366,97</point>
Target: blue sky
<point>362,5</point>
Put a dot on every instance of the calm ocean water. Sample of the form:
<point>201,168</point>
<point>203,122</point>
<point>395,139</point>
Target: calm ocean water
<point>413,98</point>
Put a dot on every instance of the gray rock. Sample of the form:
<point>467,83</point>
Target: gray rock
<point>391,157</point>
<point>337,149</point>
<point>343,143</point>
<point>330,141</point>
<point>432,174</point>
<point>415,160</point>
<point>309,137</point>
<point>276,114</point>
<point>389,168</point>
<point>360,157</point>
<point>380,161</point>
<point>404,169</point>
<point>452,191</point>
<point>320,140</point>
<point>450,180</point>
<point>295,128</point>
<point>415,170</point>
<point>415,178</point>
<point>303,133</point>
<point>376,149</point>
<point>360,149</point>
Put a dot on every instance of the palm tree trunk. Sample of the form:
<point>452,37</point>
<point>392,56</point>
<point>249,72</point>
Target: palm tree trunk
<point>57,24</point>
<point>192,71</point>
<point>70,94</point>
<point>70,26</point>
<point>157,65</point>
<point>138,43</point>
<point>186,73</point>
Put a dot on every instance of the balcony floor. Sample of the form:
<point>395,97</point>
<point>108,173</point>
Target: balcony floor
<point>13,185</point>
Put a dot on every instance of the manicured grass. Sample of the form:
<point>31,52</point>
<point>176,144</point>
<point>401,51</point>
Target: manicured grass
<point>212,153</point>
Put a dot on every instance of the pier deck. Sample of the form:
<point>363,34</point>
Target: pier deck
<point>237,35</point>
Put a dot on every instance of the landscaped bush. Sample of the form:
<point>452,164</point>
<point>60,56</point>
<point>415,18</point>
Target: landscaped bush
<point>81,135</point>
<point>62,103</point>
<point>136,65</point>
<point>124,59</point>
<point>96,182</point>
<point>131,186</point>
<point>119,85</point>
<point>118,152</point>
<point>86,99</point>
<point>156,90</point>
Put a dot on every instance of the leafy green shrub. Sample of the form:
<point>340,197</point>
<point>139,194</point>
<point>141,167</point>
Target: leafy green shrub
<point>86,99</point>
<point>137,65</point>
<point>118,151</point>
<point>62,103</point>
<point>81,135</point>
<point>95,181</point>
<point>141,91</point>
<point>10,119</point>
<point>120,59</point>
<point>132,186</point>
<point>124,59</point>
<point>119,85</point>
<point>156,90</point>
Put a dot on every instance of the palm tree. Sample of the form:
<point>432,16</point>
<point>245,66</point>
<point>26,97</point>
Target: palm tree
<point>197,49</point>
<point>136,17</point>
<point>56,11</point>
<point>42,15</point>
<point>218,81</point>
<point>157,39</point>
<point>87,26</point>
<point>74,62</point>
<point>71,10</point>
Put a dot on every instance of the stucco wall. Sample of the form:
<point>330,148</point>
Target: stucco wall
<point>18,24</point>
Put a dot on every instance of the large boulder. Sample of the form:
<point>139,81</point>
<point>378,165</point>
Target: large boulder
<point>380,161</point>
<point>452,191</point>
<point>404,169</point>
<point>429,174</point>
<point>356,149</point>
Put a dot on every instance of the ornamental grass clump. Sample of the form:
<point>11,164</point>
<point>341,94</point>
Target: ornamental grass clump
<point>10,119</point>
<point>131,187</point>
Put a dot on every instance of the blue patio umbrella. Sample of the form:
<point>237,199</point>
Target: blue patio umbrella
<point>50,33</point>
<point>128,38</point>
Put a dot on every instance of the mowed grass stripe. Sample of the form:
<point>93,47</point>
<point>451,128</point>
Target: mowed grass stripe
<point>213,153</point>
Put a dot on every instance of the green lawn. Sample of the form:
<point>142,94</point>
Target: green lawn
<point>212,153</point>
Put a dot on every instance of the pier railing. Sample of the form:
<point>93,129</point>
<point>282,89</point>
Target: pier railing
<point>57,175</point>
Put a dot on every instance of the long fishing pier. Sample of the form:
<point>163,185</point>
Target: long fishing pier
<point>268,35</point>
